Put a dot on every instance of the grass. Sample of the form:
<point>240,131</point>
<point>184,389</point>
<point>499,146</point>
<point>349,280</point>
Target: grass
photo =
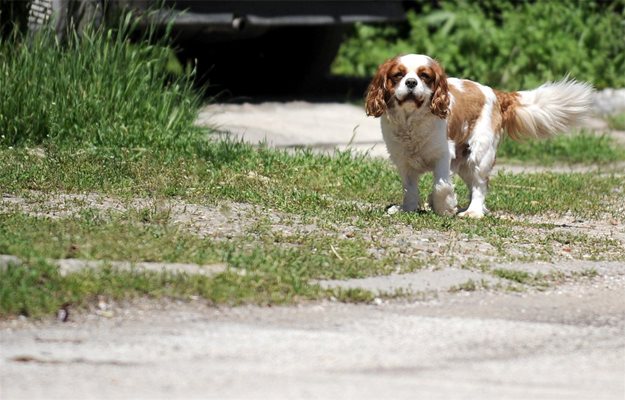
<point>124,133</point>
<point>617,122</point>
<point>302,183</point>
<point>317,199</point>
<point>579,147</point>
<point>37,288</point>
<point>330,197</point>
<point>540,280</point>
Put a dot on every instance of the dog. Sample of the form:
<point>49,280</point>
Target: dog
<point>434,123</point>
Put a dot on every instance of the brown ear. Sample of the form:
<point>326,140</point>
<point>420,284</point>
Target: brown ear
<point>378,94</point>
<point>439,105</point>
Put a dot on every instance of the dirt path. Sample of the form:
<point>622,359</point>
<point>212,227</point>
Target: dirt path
<point>564,343</point>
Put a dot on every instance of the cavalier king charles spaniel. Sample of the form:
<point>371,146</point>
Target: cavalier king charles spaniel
<point>434,123</point>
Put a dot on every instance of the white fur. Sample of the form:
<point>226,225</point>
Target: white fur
<point>417,143</point>
<point>412,62</point>
<point>553,107</point>
<point>457,83</point>
<point>476,169</point>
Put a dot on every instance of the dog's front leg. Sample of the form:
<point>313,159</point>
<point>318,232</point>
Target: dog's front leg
<point>410,182</point>
<point>443,198</point>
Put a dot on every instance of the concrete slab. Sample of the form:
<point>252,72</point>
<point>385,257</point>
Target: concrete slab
<point>604,268</point>
<point>448,278</point>
<point>324,126</point>
<point>71,265</point>
<point>419,281</point>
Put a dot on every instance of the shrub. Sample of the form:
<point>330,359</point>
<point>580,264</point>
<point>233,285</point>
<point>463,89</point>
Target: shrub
<point>509,46</point>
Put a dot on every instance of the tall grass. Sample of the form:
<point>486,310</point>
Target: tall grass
<point>94,89</point>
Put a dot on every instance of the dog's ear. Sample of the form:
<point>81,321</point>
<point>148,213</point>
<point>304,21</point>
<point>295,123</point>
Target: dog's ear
<point>378,93</point>
<point>439,105</point>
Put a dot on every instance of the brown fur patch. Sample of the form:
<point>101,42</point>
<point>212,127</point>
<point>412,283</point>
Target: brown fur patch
<point>507,121</point>
<point>466,109</point>
<point>382,87</point>
<point>435,78</point>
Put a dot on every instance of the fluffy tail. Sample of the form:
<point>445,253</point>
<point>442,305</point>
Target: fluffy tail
<point>545,111</point>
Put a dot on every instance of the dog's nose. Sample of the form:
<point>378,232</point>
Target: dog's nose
<point>411,83</point>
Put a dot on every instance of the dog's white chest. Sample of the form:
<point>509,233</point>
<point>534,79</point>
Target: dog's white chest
<point>414,139</point>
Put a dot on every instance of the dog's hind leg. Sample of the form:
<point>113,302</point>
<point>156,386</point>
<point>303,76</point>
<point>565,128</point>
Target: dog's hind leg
<point>475,172</point>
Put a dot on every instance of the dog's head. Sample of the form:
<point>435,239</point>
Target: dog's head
<point>411,78</point>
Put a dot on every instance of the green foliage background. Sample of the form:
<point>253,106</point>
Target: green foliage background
<point>509,45</point>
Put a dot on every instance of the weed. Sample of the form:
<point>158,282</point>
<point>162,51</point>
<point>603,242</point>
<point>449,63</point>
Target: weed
<point>513,275</point>
<point>352,295</point>
<point>468,286</point>
<point>617,122</point>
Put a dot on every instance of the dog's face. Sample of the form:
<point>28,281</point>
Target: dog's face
<point>411,78</point>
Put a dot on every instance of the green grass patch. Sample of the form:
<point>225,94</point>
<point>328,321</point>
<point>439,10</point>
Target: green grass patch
<point>278,267</point>
<point>514,275</point>
<point>616,122</point>
<point>582,194</point>
<point>130,236</point>
<point>36,288</point>
<point>303,183</point>
<point>580,147</point>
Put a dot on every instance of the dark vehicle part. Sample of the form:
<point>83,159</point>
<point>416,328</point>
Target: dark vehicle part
<point>65,14</point>
<point>242,46</point>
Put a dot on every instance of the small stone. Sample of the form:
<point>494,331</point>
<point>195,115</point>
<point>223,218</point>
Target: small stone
<point>105,314</point>
<point>392,209</point>
<point>62,314</point>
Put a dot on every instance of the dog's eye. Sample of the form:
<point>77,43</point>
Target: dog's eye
<point>425,76</point>
<point>398,75</point>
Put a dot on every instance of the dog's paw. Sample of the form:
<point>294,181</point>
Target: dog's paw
<point>471,214</point>
<point>443,199</point>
